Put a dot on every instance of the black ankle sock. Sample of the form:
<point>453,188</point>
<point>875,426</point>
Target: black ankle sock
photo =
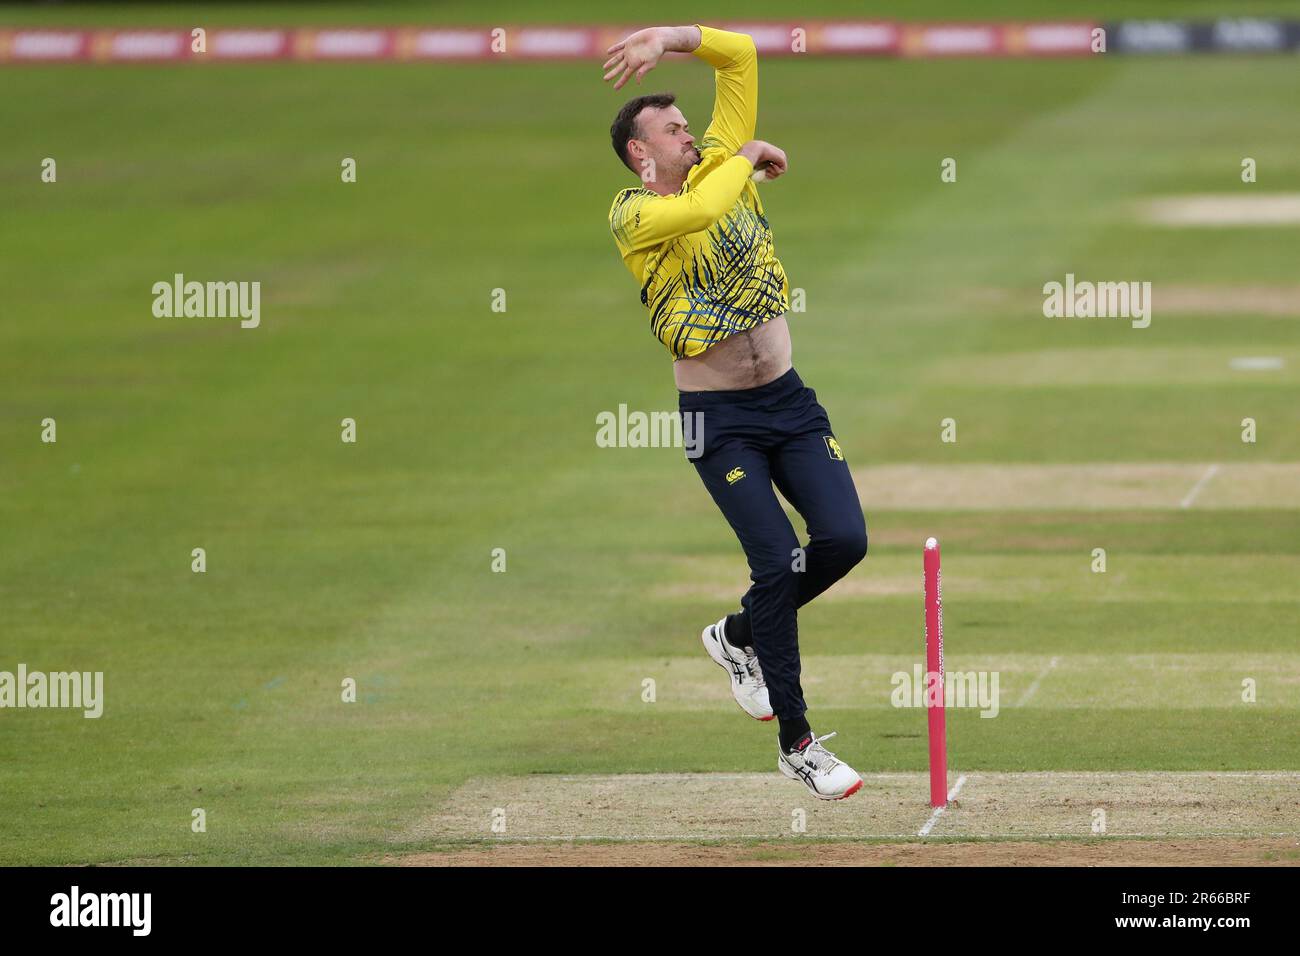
<point>793,731</point>
<point>737,630</point>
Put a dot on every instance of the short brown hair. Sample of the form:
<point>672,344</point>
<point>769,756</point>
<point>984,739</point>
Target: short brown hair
<point>625,127</point>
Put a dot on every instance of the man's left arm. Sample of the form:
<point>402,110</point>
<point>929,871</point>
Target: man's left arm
<point>735,103</point>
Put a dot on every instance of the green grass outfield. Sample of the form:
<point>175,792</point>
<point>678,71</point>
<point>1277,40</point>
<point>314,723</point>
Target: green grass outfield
<point>476,431</point>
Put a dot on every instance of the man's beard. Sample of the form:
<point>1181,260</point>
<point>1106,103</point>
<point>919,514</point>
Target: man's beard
<point>680,166</point>
<point>690,159</point>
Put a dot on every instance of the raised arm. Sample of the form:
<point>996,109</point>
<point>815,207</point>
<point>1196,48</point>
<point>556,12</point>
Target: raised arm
<point>733,58</point>
<point>735,103</point>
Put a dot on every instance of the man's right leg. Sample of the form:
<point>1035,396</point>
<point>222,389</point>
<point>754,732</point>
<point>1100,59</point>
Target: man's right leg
<point>738,479</point>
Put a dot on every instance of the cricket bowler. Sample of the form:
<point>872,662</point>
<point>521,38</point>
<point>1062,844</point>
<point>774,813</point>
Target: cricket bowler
<point>694,236</point>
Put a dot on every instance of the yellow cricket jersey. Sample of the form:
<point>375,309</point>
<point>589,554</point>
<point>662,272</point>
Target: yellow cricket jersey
<point>704,257</point>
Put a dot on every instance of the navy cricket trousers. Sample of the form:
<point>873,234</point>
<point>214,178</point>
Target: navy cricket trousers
<point>777,434</point>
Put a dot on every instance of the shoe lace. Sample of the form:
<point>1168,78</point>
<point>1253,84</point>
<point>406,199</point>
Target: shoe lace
<point>818,756</point>
<point>751,665</point>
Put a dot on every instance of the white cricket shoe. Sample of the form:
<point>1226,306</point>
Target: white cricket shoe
<point>828,777</point>
<point>747,684</point>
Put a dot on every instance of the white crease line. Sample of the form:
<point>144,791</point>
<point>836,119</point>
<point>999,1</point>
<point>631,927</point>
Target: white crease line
<point>938,811</point>
<point>1033,688</point>
<point>1196,488</point>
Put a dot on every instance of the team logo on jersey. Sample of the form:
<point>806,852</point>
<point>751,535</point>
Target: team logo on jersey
<point>735,475</point>
<point>833,447</point>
